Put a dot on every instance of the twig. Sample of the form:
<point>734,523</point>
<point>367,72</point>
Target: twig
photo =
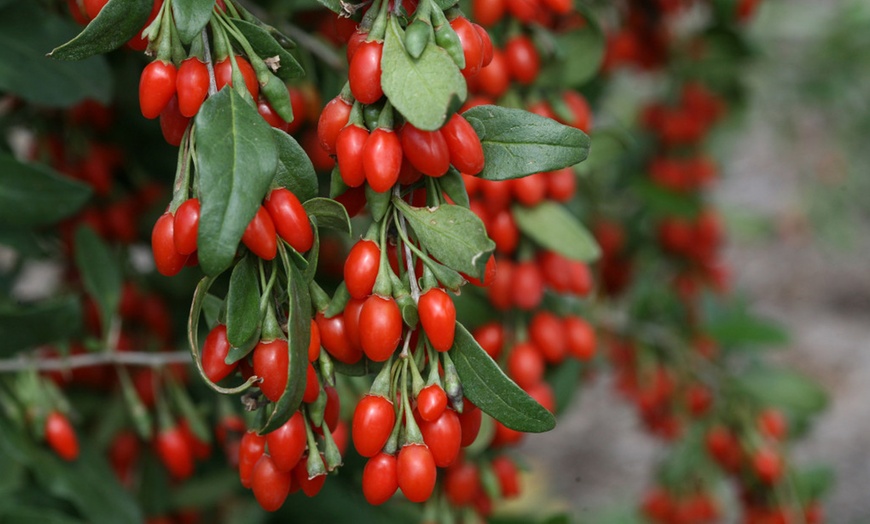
<point>129,358</point>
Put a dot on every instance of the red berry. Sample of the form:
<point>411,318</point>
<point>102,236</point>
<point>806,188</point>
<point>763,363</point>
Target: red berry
<point>290,219</point>
<point>380,325</point>
<point>438,317</point>
<point>270,484</point>
<point>61,436</point>
<point>380,478</point>
<point>361,268</point>
<point>373,421</point>
<point>431,402</point>
<point>365,72</point>
<point>156,87</point>
<point>260,236</point>
<point>214,353</point>
<point>416,472</point>
<point>174,452</point>
<point>167,259</point>
<point>271,363</point>
<point>349,147</point>
<point>427,151</point>
<point>332,120</point>
<point>287,443</point>
<point>191,84</point>
<point>223,74</point>
<point>186,226</point>
<point>466,152</point>
<point>382,159</point>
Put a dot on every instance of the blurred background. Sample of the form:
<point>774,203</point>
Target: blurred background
<point>795,198</point>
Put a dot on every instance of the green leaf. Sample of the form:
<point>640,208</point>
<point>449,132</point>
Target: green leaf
<point>564,379</point>
<point>740,328</point>
<point>243,302</point>
<point>298,337</point>
<point>578,55</point>
<point>236,159</point>
<point>24,70</point>
<point>425,91</point>
<point>118,21</point>
<point>266,46</point>
<point>86,484</point>
<point>453,184</point>
<point>452,234</point>
<point>486,385</point>
<point>811,484</point>
<point>332,5</point>
<point>784,389</point>
<point>23,327</point>
<point>211,308</point>
<point>663,202</point>
<point>517,143</point>
<point>35,195</point>
<point>100,272</point>
<point>329,214</point>
<point>554,228</point>
<point>295,170</point>
<point>191,16</point>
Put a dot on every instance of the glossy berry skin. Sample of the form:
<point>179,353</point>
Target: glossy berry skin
<point>310,486</point>
<point>223,75</point>
<point>380,325</point>
<point>251,448</point>
<point>186,226</point>
<point>373,421</point>
<point>365,72</point>
<point>466,152</point>
<point>416,472</point>
<point>580,111</point>
<point>270,116</point>
<point>524,62</point>
<point>287,443</point>
<point>488,12</point>
<point>382,159</point>
<point>332,120</point>
<point>174,452</point>
<point>431,402</point>
<point>349,146</point>
<point>191,84</point>
<point>214,351</point>
<point>494,79</point>
<point>260,236</point>
<point>443,436</point>
<point>351,321</point>
<point>361,268</point>
<point>528,285</point>
<point>61,436</point>
<point>156,87</point>
<point>270,484</point>
<point>271,363</point>
<point>438,317</point>
<point>172,123</point>
<point>472,45</point>
<point>314,342</point>
<point>426,150</point>
<point>312,385</point>
<point>380,478</point>
<point>334,339</point>
<point>167,259</point>
<point>290,219</point>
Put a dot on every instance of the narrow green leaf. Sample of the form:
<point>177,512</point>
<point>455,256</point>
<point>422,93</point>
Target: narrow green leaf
<point>24,70</point>
<point>118,21</point>
<point>34,195</point>
<point>425,91</point>
<point>265,45</point>
<point>236,158</point>
<point>295,170</point>
<point>211,308</point>
<point>739,328</point>
<point>190,17</point>
<point>100,272</point>
<point>332,5</point>
<point>452,234</point>
<point>329,214</point>
<point>23,327</point>
<point>517,143</point>
<point>579,54</point>
<point>554,228</point>
<point>784,389</point>
<point>243,302</point>
<point>298,337</point>
<point>486,385</point>
<point>453,184</point>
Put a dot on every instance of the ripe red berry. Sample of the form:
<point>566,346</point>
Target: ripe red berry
<point>167,259</point>
<point>332,120</point>
<point>223,75</point>
<point>186,226</point>
<point>260,236</point>
<point>61,436</point>
<point>270,484</point>
<point>361,268</point>
<point>271,363</point>
<point>416,472</point>
<point>523,59</point>
<point>349,147</point>
<point>427,151</point>
<point>251,448</point>
<point>382,159</point>
<point>466,152</point>
<point>438,317</point>
<point>380,326</point>
<point>431,402</point>
<point>156,87</point>
<point>287,443</point>
<point>373,421</point>
<point>290,219</point>
<point>380,478</point>
<point>214,351</point>
<point>191,84</point>
<point>174,452</point>
<point>365,72</point>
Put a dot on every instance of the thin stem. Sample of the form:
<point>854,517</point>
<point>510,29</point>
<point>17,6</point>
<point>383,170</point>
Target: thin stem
<point>128,358</point>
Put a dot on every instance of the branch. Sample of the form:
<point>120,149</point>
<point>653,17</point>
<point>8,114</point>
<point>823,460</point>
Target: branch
<point>103,358</point>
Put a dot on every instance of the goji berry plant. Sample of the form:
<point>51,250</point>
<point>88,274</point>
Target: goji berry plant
<point>352,253</point>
